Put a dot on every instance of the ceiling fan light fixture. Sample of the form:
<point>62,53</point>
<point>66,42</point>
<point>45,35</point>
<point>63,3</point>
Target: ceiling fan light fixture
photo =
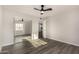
<point>42,12</point>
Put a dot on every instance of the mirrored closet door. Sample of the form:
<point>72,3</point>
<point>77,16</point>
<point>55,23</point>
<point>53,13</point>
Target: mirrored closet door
<point>22,29</point>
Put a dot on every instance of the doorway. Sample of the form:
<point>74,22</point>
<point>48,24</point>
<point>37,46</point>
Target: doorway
<point>22,29</point>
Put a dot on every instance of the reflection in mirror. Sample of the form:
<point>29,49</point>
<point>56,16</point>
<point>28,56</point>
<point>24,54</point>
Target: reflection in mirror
<point>42,28</point>
<point>31,31</point>
<point>22,29</point>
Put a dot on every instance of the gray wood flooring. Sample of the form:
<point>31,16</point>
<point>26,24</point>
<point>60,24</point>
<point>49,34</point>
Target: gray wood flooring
<point>53,47</point>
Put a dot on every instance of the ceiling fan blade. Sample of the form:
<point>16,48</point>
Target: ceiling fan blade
<point>37,9</point>
<point>49,9</point>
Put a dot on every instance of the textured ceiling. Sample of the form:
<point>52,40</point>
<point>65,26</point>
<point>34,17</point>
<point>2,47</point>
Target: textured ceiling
<point>28,9</point>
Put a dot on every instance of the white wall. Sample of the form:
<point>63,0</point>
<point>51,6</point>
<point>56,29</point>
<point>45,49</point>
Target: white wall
<point>64,27</point>
<point>1,28</point>
<point>35,28</point>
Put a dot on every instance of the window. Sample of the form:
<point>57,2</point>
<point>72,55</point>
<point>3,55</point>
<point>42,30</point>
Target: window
<point>19,26</point>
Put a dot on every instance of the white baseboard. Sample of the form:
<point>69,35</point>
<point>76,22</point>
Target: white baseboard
<point>57,39</point>
<point>7,44</point>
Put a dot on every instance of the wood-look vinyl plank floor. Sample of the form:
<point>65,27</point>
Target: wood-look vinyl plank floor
<point>53,47</point>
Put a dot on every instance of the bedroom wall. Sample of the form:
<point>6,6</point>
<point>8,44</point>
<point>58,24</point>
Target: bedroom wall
<point>64,27</point>
<point>8,25</point>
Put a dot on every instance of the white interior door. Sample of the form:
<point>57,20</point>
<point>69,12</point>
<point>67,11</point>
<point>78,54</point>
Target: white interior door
<point>35,29</point>
<point>44,28</point>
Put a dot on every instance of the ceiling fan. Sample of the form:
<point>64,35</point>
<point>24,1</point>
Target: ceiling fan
<point>42,10</point>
